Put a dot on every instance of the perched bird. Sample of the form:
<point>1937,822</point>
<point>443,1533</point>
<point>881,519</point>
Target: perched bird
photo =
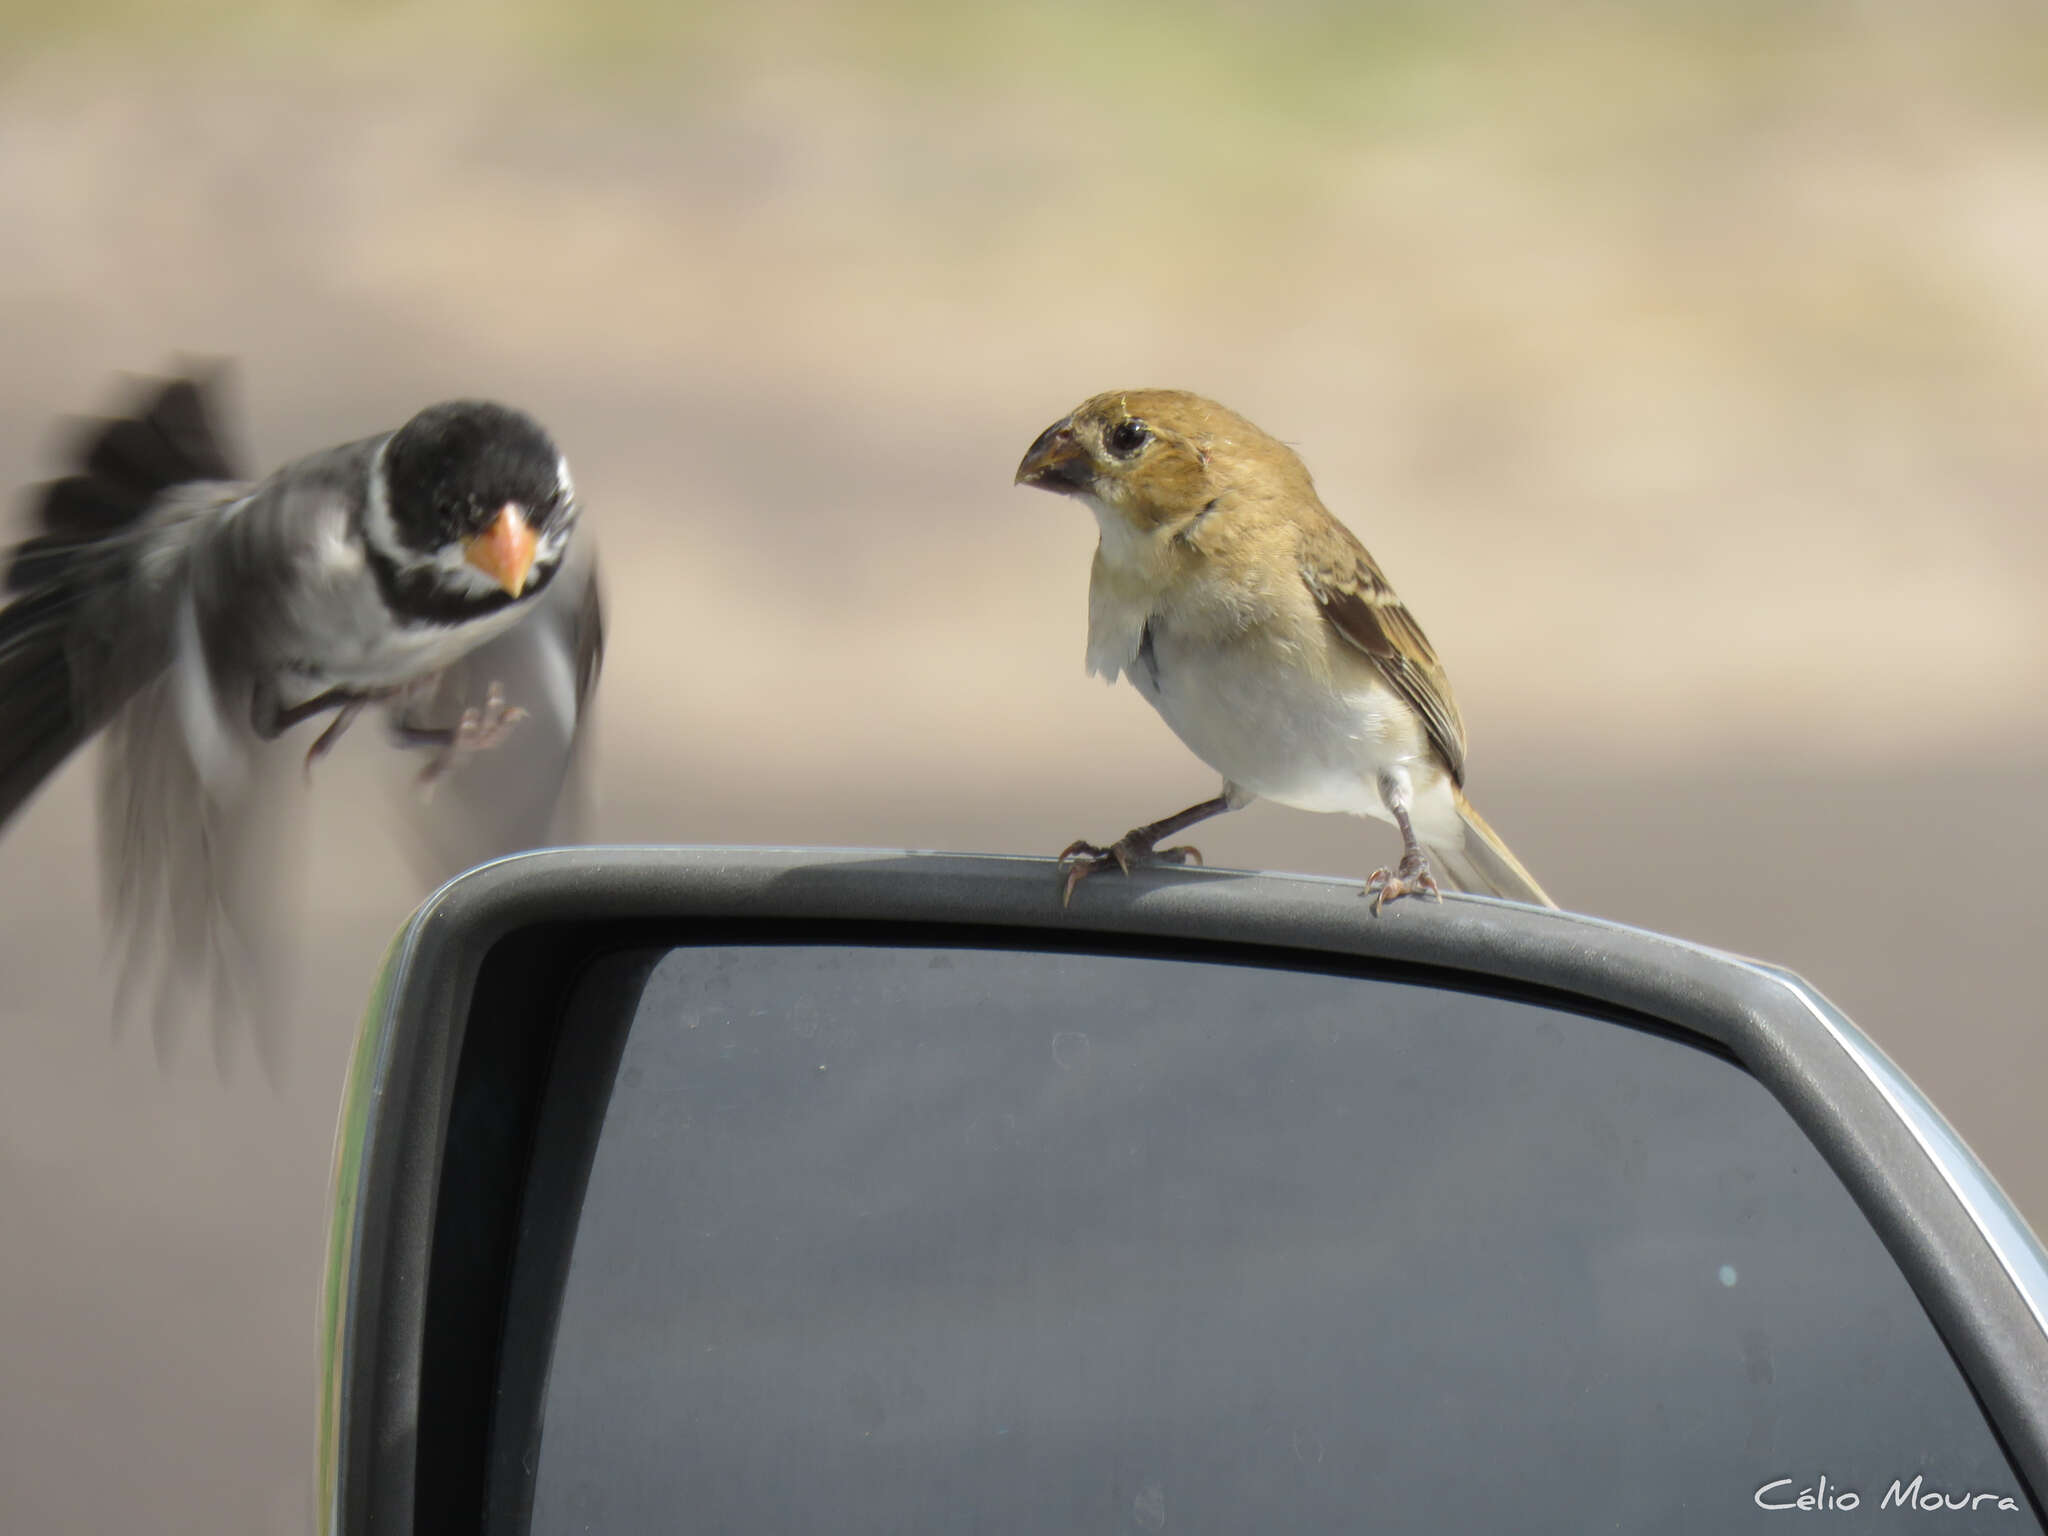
<point>194,617</point>
<point>1266,637</point>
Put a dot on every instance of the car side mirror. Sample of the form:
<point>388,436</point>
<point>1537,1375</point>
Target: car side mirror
<point>821,1190</point>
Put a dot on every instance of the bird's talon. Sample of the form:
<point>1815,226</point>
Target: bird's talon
<point>1411,877</point>
<point>1127,854</point>
<point>1076,873</point>
<point>1079,860</point>
<point>481,727</point>
<point>1375,886</point>
<point>1085,859</point>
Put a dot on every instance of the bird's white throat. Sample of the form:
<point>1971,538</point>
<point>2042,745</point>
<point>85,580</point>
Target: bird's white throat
<point>1126,548</point>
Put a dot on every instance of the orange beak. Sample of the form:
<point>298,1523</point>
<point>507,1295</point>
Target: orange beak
<point>504,551</point>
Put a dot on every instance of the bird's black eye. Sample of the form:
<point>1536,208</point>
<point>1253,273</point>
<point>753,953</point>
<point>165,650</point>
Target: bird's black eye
<point>1126,438</point>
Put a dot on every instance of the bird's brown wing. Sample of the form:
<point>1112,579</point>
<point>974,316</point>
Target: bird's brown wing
<point>1355,597</point>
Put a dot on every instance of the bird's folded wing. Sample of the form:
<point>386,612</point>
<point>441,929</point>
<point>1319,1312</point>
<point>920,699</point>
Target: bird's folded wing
<point>1356,599</point>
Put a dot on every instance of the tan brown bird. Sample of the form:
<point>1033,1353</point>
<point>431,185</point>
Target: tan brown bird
<point>1266,637</point>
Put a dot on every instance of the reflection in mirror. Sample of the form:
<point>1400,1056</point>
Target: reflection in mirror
<point>885,1239</point>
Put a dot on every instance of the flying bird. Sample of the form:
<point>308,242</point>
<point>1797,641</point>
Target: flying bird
<point>1266,637</point>
<point>193,616</point>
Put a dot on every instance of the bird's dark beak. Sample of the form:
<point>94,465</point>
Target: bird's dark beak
<point>504,551</point>
<point>1057,462</point>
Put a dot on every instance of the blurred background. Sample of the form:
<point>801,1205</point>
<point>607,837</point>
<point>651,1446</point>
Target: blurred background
<point>1684,363</point>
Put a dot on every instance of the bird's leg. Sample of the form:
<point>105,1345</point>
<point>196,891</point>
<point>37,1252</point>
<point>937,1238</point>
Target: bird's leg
<point>1139,846</point>
<point>271,720</point>
<point>344,717</point>
<point>1411,877</point>
<point>480,728</point>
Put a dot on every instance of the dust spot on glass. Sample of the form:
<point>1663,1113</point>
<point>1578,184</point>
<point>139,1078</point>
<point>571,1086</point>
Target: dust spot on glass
<point>1728,1275</point>
<point>1308,1447</point>
<point>1069,1048</point>
<point>1148,1509</point>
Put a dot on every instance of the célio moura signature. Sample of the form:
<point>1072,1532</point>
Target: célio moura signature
<point>1823,1497</point>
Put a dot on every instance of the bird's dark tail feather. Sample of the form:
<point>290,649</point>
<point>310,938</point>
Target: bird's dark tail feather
<point>125,466</point>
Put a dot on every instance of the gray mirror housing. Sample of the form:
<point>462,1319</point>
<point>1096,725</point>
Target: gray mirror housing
<point>460,1032</point>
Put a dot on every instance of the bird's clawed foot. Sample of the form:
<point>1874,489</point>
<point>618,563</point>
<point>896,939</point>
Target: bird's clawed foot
<point>1411,877</point>
<point>1132,851</point>
<point>481,727</point>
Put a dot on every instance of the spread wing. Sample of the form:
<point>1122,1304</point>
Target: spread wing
<point>1354,595</point>
<point>201,903</point>
<point>528,791</point>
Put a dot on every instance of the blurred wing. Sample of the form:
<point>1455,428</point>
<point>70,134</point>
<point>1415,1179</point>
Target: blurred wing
<point>193,867</point>
<point>1361,606</point>
<point>530,790</point>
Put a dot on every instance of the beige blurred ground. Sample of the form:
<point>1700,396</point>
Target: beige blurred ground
<point>1685,364</point>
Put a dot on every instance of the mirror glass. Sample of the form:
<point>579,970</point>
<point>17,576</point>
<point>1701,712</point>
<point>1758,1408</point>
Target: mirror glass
<point>889,1239</point>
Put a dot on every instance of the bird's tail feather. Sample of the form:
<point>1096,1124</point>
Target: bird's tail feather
<point>125,465</point>
<point>46,710</point>
<point>1482,862</point>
